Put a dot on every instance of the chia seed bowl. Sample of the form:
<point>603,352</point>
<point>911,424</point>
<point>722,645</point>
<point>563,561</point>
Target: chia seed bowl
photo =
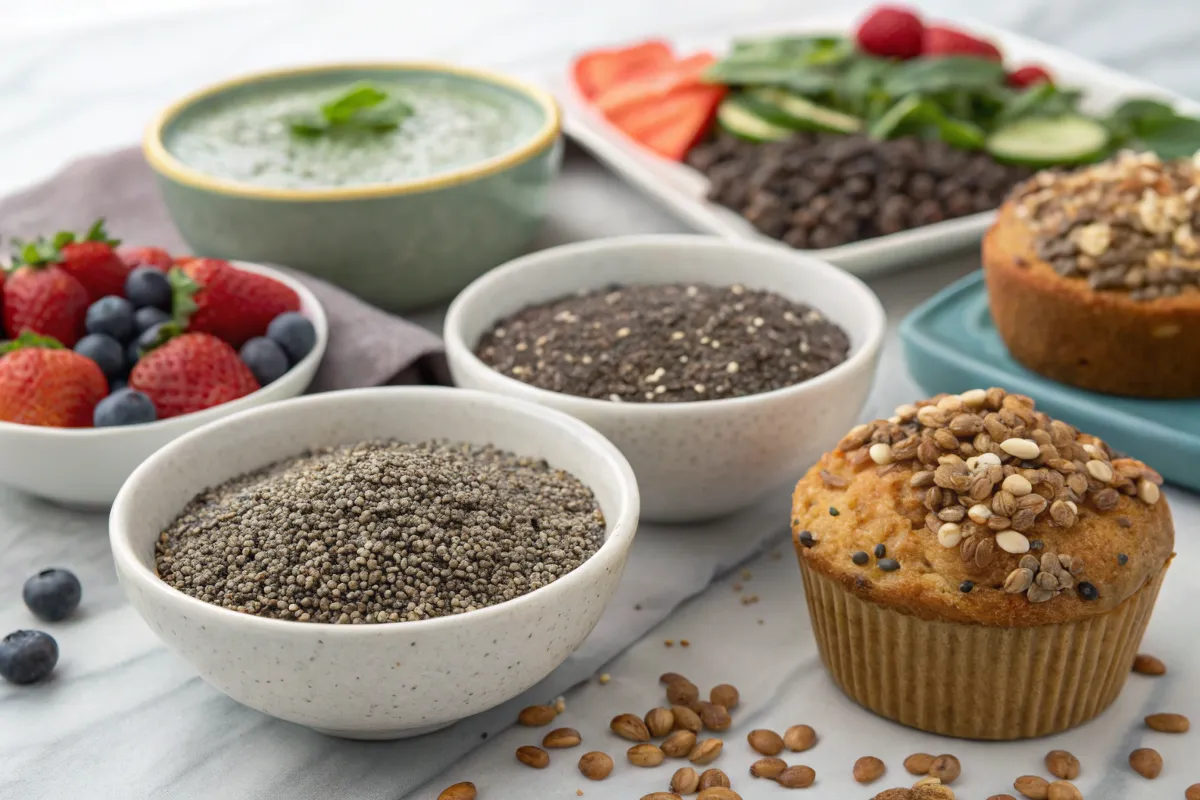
<point>398,678</point>
<point>696,458</point>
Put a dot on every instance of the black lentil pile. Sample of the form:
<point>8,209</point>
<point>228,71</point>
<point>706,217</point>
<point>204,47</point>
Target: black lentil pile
<point>665,343</point>
<point>818,190</point>
<point>381,532</point>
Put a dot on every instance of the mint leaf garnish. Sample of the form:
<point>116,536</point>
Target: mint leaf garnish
<point>362,107</point>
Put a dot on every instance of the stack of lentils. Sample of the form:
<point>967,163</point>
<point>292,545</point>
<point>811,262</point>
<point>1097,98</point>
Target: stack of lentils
<point>818,190</point>
<point>665,343</point>
<point>381,532</point>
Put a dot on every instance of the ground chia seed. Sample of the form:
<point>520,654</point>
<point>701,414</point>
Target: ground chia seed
<point>381,532</point>
<point>665,343</point>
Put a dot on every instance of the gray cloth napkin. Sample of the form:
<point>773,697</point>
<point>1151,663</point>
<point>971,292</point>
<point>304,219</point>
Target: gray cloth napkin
<point>367,346</point>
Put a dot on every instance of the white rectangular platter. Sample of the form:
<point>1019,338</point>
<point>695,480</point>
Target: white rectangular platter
<point>683,190</point>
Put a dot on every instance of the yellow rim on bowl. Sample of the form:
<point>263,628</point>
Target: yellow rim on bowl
<point>166,164</point>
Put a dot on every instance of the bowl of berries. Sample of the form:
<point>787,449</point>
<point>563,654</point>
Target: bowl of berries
<point>107,353</point>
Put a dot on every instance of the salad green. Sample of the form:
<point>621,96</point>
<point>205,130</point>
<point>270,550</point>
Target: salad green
<point>826,83</point>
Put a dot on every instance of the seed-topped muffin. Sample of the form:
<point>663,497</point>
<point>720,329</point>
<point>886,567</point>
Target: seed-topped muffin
<point>1094,275</point>
<point>971,541</point>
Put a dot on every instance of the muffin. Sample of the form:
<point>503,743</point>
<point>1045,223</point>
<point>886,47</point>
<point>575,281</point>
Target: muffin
<point>974,568</point>
<point>1094,276</point>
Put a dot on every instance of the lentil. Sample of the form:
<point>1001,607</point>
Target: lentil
<point>665,343</point>
<point>381,532</point>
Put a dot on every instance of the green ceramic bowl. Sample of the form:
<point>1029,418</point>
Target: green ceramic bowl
<point>399,245</point>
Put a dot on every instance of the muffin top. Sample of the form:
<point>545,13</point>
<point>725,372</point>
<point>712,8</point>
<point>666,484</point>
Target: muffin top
<point>1129,225</point>
<point>979,508</point>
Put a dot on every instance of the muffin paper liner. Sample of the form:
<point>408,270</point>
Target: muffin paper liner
<point>975,681</point>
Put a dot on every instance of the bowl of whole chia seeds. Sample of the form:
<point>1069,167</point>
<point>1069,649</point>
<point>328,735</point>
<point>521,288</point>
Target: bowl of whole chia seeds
<point>377,563</point>
<point>719,368</point>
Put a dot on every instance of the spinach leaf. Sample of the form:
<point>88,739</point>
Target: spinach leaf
<point>363,107</point>
<point>1040,100</point>
<point>1140,117</point>
<point>915,114</point>
<point>1179,138</point>
<point>930,75</point>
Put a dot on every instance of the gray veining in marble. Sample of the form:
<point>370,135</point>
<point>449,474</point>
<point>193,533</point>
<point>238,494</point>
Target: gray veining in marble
<point>125,719</point>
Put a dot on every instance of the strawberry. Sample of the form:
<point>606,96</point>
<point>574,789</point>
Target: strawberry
<point>891,32</point>
<point>41,297</point>
<point>154,257</point>
<point>42,383</point>
<point>190,373</point>
<point>942,40</point>
<point>1028,76</point>
<point>213,296</point>
<point>93,262</point>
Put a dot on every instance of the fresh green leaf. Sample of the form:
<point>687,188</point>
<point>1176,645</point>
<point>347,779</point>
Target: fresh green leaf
<point>97,233</point>
<point>36,253</point>
<point>30,339</point>
<point>930,75</point>
<point>797,51</point>
<point>362,108</point>
<point>860,89</point>
<point>183,296</point>
<point>959,133</point>
<point>1040,100</point>
<point>900,112</point>
<point>1179,138</point>
<point>355,99</point>
<point>806,81</point>
<point>915,114</point>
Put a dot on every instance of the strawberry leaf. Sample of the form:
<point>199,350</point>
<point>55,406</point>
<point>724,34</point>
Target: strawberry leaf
<point>29,339</point>
<point>166,332</point>
<point>183,296</point>
<point>97,233</point>
<point>37,253</point>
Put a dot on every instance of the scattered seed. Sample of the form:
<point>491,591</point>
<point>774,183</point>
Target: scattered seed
<point>1146,762</point>
<point>668,642</point>
<point>724,694</point>
<point>685,781</point>
<point>713,777</point>
<point>888,564</point>
<point>684,643</point>
<point>1148,665</point>
<point>868,769</point>
<point>715,717</point>
<point>1087,591</point>
<point>1192,792</point>
<point>706,751</point>
<point>595,766</point>
<point>537,716</point>
<point>768,767</point>
<point>560,705</point>
<point>1122,559</point>
<point>1063,790</point>
<point>661,796</point>
<point>919,763</point>
<point>764,741</point>
<point>945,768</point>
<point>1168,723</point>
<point>459,791</point>
<point>718,793</point>
<point>966,586</point>
<point>686,719</point>
<point>682,693</point>
<point>1033,787</point>
<point>659,721</point>
<point>1062,764</point>
<point>560,738</point>
<point>667,678</point>
<point>1002,797</point>
<point>860,557</point>
<point>798,777</point>
<point>645,755</point>
<point>532,756</point>
<point>679,743</point>
<point>833,512</point>
<point>604,678</point>
<point>799,738</point>
<point>806,539</point>
<point>631,727</point>
<point>1012,542</point>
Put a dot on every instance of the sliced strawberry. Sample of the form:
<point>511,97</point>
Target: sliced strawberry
<point>656,85</point>
<point>671,126</point>
<point>598,71</point>
<point>942,40</point>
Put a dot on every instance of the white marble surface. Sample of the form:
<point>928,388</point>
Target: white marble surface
<point>126,719</point>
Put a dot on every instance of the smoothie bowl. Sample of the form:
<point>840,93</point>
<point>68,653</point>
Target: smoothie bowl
<point>365,175</point>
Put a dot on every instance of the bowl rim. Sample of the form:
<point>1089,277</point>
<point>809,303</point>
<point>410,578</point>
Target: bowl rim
<point>307,300</point>
<point>458,351</point>
<point>624,520</point>
<point>167,165</point>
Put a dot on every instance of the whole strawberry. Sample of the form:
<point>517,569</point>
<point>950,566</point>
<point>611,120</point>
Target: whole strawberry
<point>42,383</point>
<point>891,32</point>
<point>41,297</point>
<point>154,257</point>
<point>213,296</point>
<point>1028,76</point>
<point>191,372</point>
<point>93,262</point>
<point>942,40</point>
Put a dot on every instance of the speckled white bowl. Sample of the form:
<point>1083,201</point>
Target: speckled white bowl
<point>380,681</point>
<point>85,467</point>
<point>693,460</point>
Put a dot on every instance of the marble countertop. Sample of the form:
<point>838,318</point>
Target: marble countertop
<point>124,718</point>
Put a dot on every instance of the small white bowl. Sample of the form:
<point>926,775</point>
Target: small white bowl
<point>695,460</point>
<point>85,467</point>
<point>379,681</point>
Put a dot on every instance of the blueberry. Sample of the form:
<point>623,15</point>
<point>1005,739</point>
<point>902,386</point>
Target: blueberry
<point>265,358</point>
<point>112,316</point>
<point>146,340</point>
<point>148,317</point>
<point>294,333</point>
<point>147,287</point>
<point>124,407</point>
<point>52,594</point>
<point>27,656</point>
<point>105,351</point>
<point>116,386</point>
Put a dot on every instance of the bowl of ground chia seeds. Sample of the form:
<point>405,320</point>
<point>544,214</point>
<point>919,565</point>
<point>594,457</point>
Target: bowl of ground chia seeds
<point>377,563</point>
<point>721,369</point>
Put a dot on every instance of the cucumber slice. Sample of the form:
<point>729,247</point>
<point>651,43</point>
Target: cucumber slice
<point>1049,141</point>
<point>744,120</point>
<point>795,111</point>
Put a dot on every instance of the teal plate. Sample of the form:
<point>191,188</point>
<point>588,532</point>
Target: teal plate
<point>951,346</point>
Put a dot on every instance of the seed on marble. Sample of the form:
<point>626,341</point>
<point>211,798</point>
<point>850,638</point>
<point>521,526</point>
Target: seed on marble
<point>868,769</point>
<point>724,694</point>
<point>1012,542</point>
<point>797,777</point>
<point>686,719</point>
<point>679,743</point>
<point>768,767</point>
<point>685,781</point>
<point>1192,792</point>
<point>459,791</point>
<point>888,564</point>
<point>919,763</point>
<point>682,693</point>
<point>767,742</point>
<point>595,766</point>
<point>560,738</point>
<point>1146,762</point>
<point>713,777</point>
<point>949,535</point>
<point>1063,790</point>
<point>799,738</point>
<point>705,752</point>
<point>945,768</point>
<point>1024,449</point>
<point>1017,485</point>
<point>881,453</point>
<point>715,717</point>
<point>860,557</point>
<point>631,727</point>
<point>645,755</point>
<point>659,721</point>
<point>667,678</point>
<point>1100,470</point>
<point>1148,491</point>
<point>1032,786</point>
<point>537,716</point>
<point>1146,664</point>
<point>1168,723</point>
<point>966,586</point>
<point>532,756</point>
<point>1062,764</point>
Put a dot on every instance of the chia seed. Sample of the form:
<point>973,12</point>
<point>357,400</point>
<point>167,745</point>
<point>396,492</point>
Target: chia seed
<point>381,532</point>
<point>665,343</point>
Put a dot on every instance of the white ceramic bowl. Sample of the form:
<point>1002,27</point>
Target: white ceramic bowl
<point>85,467</point>
<point>377,681</point>
<point>692,460</point>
